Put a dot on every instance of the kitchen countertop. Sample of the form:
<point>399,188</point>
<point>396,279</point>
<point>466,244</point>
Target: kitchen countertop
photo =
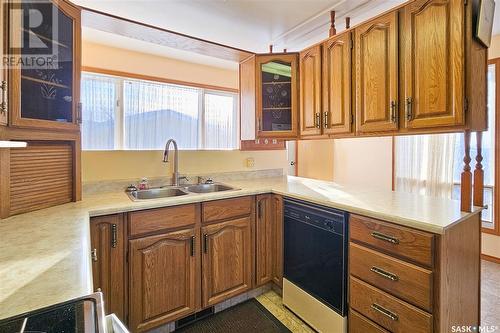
<point>45,255</point>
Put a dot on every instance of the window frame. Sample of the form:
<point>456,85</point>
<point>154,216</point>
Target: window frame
<point>121,77</point>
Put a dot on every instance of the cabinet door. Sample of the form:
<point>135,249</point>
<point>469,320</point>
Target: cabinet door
<point>108,235</point>
<point>227,260</point>
<point>310,91</point>
<point>163,278</point>
<point>337,113</point>
<point>277,95</point>
<point>264,237</point>
<point>433,63</point>
<point>277,231</point>
<point>376,44</point>
<point>3,72</point>
<point>45,93</point>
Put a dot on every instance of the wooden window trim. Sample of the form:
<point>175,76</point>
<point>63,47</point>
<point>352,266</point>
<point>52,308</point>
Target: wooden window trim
<point>496,195</point>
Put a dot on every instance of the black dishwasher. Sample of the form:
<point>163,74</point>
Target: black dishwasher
<point>315,252</point>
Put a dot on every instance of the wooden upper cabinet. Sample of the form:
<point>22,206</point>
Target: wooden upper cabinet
<point>277,95</point>
<point>164,279</point>
<point>376,67</point>
<point>310,91</point>
<point>227,260</point>
<point>264,239</point>
<point>337,113</point>
<point>433,47</point>
<point>47,97</point>
<point>108,237</point>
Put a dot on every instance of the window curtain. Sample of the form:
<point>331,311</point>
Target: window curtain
<point>424,164</point>
<point>220,121</point>
<point>155,113</point>
<point>98,112</point>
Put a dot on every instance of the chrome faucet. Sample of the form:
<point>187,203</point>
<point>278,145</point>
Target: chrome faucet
<point>175,176</point>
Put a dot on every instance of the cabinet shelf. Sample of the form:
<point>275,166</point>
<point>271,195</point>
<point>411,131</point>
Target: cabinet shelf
<point>29,78</point>
<point>278,108</point>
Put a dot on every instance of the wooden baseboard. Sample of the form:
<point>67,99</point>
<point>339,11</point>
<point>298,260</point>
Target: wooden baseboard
<point>490,258</point>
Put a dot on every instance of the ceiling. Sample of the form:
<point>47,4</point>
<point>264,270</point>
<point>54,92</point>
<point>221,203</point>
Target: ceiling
<point>246,24</point>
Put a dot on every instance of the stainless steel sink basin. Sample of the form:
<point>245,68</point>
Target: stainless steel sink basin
<point>156,193</point>
<point>208,188</point>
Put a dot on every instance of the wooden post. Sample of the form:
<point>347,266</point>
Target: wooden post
<point>347,22</point>
<point>333,31</point>
<point>466,177</point>
<point>478,196</point>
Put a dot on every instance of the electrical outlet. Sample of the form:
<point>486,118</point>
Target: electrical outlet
<point>250,162</point>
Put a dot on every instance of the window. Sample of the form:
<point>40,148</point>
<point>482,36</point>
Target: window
<point>123,113</point>
<point>487,151</point>
<point>432,164</point>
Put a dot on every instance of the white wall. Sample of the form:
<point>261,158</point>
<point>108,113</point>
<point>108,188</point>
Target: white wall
<point>363,161</point>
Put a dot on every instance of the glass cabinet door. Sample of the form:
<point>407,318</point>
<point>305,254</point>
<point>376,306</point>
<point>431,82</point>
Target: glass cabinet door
<point>49,84</point>
<point>276,95</point>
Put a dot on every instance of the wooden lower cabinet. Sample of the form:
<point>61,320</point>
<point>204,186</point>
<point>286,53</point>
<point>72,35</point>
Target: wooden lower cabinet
<point>227,259</point>
<point>163,278</point>
<point>108,242</point>
<point>264,240</point>
<point>277,239</point>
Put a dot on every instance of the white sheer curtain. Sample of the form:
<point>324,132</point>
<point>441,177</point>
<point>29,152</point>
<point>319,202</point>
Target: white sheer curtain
<point>424,164</point>
<point>156,112</point>
<point>98,112</point>
<point>220,121</point>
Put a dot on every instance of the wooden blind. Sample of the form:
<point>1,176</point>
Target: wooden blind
<point>41,176</point>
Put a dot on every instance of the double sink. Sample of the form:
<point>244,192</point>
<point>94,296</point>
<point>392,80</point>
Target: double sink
<point>176,191</point>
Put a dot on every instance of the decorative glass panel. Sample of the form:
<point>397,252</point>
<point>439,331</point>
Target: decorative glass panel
<point>276,96</point>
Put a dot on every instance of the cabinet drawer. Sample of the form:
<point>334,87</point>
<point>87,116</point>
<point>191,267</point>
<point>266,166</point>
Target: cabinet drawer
<point>404,280</point>
<point>360,324</point>
<point>388,311</point>
<point>226,209</point>
<point>404,242</point>
<point>152,220</point>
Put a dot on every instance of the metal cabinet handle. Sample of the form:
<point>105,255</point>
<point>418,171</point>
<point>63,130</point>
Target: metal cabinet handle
<point>114,235</point>
<point>192,245</point>
<point>393,111</point>
<point>384,237</point>
<point>325,119</point>
<point>3,104</point>
<point>318,120</point>
<point>93,254</point>
<point>409,109</point>
<point>385,312</point>
<point>259,210</point>
<point>205,243</point>
<point>385,274</point>
<point>259,124</point>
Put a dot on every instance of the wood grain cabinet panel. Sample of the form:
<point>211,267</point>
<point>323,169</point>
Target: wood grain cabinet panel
<point>108,242</point>
<point>401,279</point>
<point>433,63</point>
<point>336,80</point>
<point>310,91</point>
<point>387,311</point>
<point>361,324</point>
<point>164,278</point>
<point>277,220</point>
<point>227,260</point>
<point>414,245</point>
<point>155,220</point>
<point>376,68</point>
<point>220,210</point>
<point>264,239</point>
